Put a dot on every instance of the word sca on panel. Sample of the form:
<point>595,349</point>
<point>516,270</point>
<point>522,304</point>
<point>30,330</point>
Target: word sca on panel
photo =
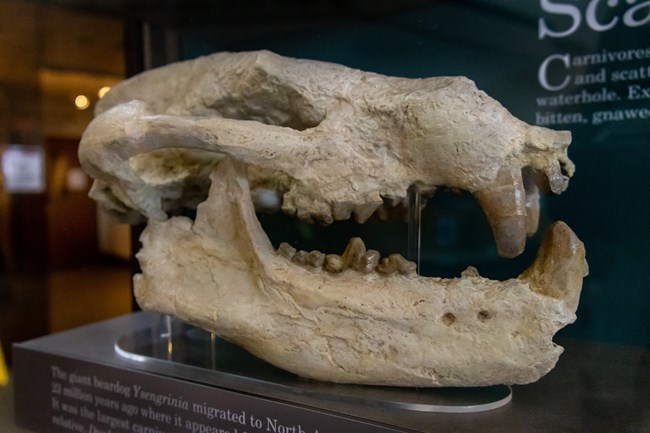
<point>627,13</point>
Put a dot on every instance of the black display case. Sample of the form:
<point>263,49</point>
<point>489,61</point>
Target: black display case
<point>131,375</point>
<point>551,63</point>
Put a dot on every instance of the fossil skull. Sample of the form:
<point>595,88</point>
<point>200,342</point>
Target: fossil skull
<point>334,142</point>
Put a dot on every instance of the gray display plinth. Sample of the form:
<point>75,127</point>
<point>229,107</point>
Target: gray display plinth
<point>114,376</point>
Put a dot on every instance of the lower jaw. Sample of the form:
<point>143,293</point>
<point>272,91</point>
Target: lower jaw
<point>350,326</point>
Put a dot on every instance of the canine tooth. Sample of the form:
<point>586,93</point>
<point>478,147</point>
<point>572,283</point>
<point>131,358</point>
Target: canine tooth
<point>503,203</point>
<point>355,254</point>
<point>316,259</point>
<point>286,251</point>
<point>333,263</point>
<point>532,210</point>
<point>559,267</point>
<point>301,257</point>
<point>534,184</point>
<point>403,266</point>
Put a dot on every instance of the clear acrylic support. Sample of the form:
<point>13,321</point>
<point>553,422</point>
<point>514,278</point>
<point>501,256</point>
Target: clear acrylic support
<point>166,333</point>
<point>415,201</point>
<point>213,351</point>
<point>203,354</point>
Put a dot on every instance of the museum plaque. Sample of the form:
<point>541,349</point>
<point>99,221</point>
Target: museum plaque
<point>62,394</point>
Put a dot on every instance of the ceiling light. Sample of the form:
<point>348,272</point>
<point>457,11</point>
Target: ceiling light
<point>104,90</point>
<point>81,102</point>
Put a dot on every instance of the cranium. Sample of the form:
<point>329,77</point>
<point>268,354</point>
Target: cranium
<point>334,142</point>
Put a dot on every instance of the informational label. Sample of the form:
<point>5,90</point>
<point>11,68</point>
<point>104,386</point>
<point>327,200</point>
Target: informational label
<point>591,76</point>
<point>577,96</point>
<point>56,394</point>
<point>23,168</point>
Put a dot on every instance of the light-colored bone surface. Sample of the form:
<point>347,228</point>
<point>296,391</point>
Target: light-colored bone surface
<point>332,143</point>
<point>222,274</point>
<point>343,141</point>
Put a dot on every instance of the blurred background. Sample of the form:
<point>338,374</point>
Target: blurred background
<point>63,263</point>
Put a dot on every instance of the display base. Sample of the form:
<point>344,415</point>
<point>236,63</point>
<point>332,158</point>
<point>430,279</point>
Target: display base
<point>189,347</point>
<point>77,381</point>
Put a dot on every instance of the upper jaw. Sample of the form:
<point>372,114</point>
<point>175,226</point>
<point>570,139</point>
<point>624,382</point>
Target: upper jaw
<point>133,182</point>
<point>355,326</point>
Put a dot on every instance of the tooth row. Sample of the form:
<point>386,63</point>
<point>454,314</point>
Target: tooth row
<point>354,257</point>
<point>383,207</point>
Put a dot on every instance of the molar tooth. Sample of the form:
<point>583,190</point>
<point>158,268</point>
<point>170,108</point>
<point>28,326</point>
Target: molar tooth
<point>316,259</point>
<point>362,213</point>
<point>369,262</point>
<point>471,271</point>
<point>393,200</point>
<point>386,212</point>
<point>395,263</point>
<point>503,203</point>
<point>333,263</point>
<point>354,254</point>
<point>289,209</point>
<point>386,266</point>
<point>403,266</point>
<point>323,219</point>
<point>382,213</point>
<point>341,211</point>
<point>286,251</point>
<point>301,257</point>
<point>305,216</point>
